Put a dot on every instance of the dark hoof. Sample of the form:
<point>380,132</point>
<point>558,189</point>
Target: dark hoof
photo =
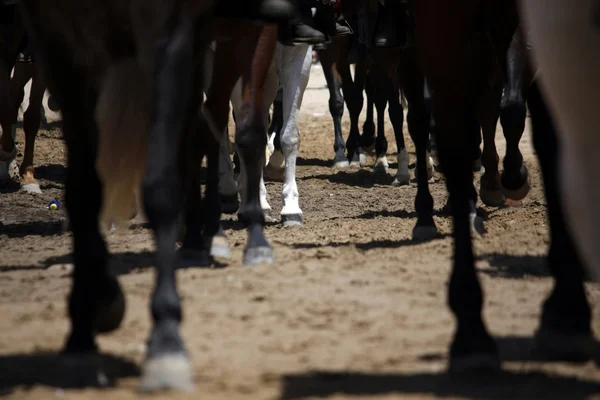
<point>52,104</point>
<point>422,233</point>
<point>492,198</point>
<point>80,370</point>
<point>401,180</point>
<point>167,372</point>
<point>229,204</point>
<point>258,255</point>
<point>551,345</point>
<point>521,192</point>
<point>194,258</point>
<point>110,315</point>
<point>292,220</point>
<point>477,166</point>
<point>474,363</point>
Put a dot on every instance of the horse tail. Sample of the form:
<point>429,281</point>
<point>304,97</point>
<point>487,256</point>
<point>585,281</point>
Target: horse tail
<point>122,120</point>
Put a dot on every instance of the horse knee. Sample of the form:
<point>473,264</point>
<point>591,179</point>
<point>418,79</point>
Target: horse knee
<point>250,137</point>
<point>290,140</point>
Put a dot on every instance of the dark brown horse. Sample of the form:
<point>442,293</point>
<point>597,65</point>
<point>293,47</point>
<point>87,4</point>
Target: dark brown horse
<point>444,29</point>
<point>128,80</point>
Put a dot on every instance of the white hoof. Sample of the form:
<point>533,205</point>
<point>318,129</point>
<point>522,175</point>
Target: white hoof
<point>219,247</point>
<point>381,165</point>
<point>341,164</point>
<point>268,215</point>
<point>32,188</point>
<point>362,157</point>
<point>169,372</point>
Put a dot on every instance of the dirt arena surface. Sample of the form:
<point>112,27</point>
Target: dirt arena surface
<point>352,308</point>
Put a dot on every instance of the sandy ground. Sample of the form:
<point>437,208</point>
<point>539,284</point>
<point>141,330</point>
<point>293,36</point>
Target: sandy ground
<point>352,308</point>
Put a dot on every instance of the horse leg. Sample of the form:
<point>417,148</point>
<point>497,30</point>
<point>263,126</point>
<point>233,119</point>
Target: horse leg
<point>353,95</point>
<point>227,187</point>
<point>445,57</point>
<point>275,169</point>
<point>294,72</point>
<point>270,89</point>
<point>336,105</point>
<point>380,98</point>
<point>429,108</point>
<point>368,135</point>
<point>565,331</point>
<point>96,303</point>
<point>31,124</point>
<point>251,142</point>
<point>8,149</point>
<point>515,177</point>
<point>412,81</point>
<point>276,123</point>
<point>174,106</point>
<point>489,108</point>
<point>396,113</point>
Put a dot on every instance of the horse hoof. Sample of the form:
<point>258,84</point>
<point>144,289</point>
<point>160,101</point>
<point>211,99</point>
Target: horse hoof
<point>80,369</point>
<point>477,166</point>
<point>167,372</point>
<point>381,165</point>
<point>478,362</point>
<point>195,258</point>
<point>274,173</point>
<point>229,204</point>
<point>520,193</point>
<point>268,215</point>
<point>9,170</point>
<point>362,158</point>
<point>551,345</point>
<point>341,164</point>
<point>401,180</point>
<point>422,233</point>
<point>219,247</point>
<point>492,198</point>
<point>258,255</point>
<point>289,220</point>
<point>32,188</point>
<point>477,226</point>
<point>355,164</point>
<point>110,316</point>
